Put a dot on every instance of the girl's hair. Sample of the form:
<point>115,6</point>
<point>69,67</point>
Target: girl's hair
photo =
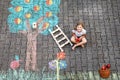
<point>79,23</point>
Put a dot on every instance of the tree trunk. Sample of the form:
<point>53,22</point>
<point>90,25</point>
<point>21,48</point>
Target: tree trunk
<point>31,51</point>
<point>31,44</point>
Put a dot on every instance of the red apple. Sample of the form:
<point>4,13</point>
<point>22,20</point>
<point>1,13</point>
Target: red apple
<point>49,2</point>
<point>27,1</point>
<point>108,66</point>
<point>17,20</point>
<point>36,8</point>
<point>77,39</point>
<point>103,67</point>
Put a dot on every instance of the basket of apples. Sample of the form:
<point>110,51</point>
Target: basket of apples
<point>105,71</point>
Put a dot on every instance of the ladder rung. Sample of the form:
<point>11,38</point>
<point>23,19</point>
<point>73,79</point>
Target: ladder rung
<point>61,39</point>
<point>58,35</point>
<point>55,30</point>
<point>64,43</point>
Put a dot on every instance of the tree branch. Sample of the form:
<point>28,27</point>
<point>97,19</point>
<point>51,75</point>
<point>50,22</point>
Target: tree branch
<point>28,26</point>
<point>39,20</point>
<point>43,28</point>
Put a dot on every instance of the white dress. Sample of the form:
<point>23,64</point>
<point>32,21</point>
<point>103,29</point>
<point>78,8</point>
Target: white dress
<point>79,34</point>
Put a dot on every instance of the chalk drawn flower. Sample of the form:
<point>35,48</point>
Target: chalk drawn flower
<point>52,64</point>
<point>14,64</point>
<point>61,55</point>
<point>62,64</point>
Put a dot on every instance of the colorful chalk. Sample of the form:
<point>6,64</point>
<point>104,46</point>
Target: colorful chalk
<point>17,20</point>
<point>49,2</point>
<point>27,1</point>
<point>27,15</point>
<point>36,8</point>
<point>18,8</point>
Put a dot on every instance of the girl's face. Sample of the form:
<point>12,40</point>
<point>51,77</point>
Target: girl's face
<point>79,28</point>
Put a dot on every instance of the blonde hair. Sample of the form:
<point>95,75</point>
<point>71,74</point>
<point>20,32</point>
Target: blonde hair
<point>79,23</point>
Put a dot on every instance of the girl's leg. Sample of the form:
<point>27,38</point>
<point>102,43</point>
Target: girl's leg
<point>84,40</point>
<point>73,39</point>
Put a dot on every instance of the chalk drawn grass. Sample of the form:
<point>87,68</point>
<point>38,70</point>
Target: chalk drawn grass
<point>41,75</point>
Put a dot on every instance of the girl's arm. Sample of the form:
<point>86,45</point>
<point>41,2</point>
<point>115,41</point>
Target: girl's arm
<point>84,33</point>
<point>83,36</point>
<point>73,33</point>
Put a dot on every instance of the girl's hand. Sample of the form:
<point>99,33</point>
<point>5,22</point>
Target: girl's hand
<point>77,39</point>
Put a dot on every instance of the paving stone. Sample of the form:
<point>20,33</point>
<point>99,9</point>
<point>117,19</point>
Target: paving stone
<point>72,56</point>
<point>118,61</point>
<point>113,66</point>
<point>84,62</point>
<point>105,55</point>
<point>72,62</point>
<point>117,54</point>
<point>90,66</point>
<point>78,58</point>
<point>118,68</point>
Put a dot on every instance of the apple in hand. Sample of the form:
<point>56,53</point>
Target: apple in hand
<point>77,39</point>
<point>108,66</point>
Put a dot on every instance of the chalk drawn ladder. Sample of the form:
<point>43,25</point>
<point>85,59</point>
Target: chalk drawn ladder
<point>64,38</point>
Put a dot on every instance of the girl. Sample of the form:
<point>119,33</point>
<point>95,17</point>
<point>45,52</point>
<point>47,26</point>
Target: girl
<point>78,36</point>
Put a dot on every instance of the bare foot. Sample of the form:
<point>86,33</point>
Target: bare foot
<point>82,46</point>
<point>73,48</point>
